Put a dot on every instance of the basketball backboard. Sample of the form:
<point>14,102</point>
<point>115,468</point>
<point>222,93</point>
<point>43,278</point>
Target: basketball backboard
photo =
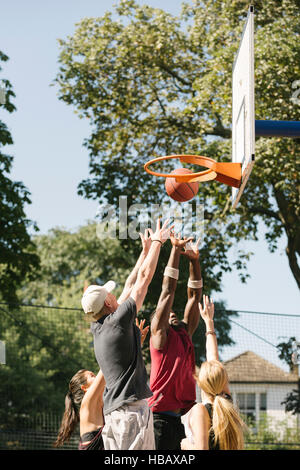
<point>243,114</point>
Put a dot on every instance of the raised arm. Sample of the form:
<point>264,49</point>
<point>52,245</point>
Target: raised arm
<point>91,410</point>
<point>146,243</point>
<point>148,267</point>
<point>207,313</point>
<point>194,288</point>
<point>160,321</point>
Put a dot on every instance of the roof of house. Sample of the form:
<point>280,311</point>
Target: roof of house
<point>248,367</point>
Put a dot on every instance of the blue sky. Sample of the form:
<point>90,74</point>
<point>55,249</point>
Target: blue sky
<point>48,151</point>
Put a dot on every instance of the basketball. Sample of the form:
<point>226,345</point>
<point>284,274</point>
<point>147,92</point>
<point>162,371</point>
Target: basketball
<point>181,192</point>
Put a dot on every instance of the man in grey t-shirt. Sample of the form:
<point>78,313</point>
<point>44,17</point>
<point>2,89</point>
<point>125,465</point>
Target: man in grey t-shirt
<point>117,345</point>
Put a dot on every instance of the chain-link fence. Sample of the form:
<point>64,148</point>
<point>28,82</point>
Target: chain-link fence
<point>37,433</point>
<point>43,347</point>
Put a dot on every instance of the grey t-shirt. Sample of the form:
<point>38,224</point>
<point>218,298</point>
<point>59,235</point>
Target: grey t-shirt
<point>117,345</point>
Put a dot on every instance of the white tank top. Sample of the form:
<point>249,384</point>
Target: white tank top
<point>185,419</point>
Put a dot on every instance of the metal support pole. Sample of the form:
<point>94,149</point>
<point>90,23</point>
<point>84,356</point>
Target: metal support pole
<point>277,129</point>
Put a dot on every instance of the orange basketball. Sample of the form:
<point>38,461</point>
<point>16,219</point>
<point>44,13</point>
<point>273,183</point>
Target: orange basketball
<point>181,192</point>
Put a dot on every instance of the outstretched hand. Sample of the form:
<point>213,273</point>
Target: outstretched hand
<point>179,242</point>
<point>208,310</point>
<point>161,233</point>
<point>146,240</point>
<point>191,250</point>
<point>144,331</point>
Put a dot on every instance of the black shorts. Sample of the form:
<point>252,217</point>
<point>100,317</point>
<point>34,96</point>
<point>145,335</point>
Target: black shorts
<point>168,430</point>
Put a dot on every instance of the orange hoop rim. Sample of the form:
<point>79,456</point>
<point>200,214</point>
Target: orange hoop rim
<point>204,175</point>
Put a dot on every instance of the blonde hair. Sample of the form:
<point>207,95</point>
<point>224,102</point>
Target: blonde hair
<point>227,425</point>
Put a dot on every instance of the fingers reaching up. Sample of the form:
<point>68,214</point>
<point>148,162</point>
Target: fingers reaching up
<point>144,331</point>
<point>191,250</point>
<point>177,241</point>
<point>208,309</point>
<point>161,233</point>
<point>146,240</point>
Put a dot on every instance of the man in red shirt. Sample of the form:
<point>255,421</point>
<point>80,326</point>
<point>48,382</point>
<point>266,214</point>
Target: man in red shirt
<point>172,352</point>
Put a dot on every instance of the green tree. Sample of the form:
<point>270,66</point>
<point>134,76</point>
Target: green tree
<point>47,339</point>
<point>292,400</point>
<point>44,348</point>
<point>17,256</point>
<point>45,343</point>
<point>69,259</point>
<point>152,84</point>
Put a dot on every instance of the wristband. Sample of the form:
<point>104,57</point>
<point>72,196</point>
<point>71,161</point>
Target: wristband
<point>195,284</point>
<point>171,272</point>
<point>157,241</point>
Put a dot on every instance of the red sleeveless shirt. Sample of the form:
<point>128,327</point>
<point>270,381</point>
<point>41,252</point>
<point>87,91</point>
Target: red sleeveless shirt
<point>172,369</point>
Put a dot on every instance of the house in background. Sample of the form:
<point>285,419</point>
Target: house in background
<point>259,388</point>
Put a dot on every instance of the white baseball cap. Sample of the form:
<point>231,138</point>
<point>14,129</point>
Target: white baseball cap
<point>94,296</point>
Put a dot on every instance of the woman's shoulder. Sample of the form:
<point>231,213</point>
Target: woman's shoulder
<point>199,419</point>
<point>199,410</point>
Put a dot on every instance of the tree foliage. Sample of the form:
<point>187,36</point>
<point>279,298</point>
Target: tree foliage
<point>292,400</point>
<point>17,256</point>
<point>47,339</point>
<point>44,349</point>
<point>69,259</point>
<point>152,84</point>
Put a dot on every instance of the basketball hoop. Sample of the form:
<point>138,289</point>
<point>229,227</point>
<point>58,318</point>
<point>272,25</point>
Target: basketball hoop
<point>228,173</point>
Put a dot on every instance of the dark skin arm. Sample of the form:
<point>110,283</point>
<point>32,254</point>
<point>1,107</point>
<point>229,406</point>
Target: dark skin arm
<point>160,321</point>
<point>192,313</point>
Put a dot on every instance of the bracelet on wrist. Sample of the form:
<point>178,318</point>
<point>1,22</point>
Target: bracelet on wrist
<point>158,241</point>
<point>210,332</point>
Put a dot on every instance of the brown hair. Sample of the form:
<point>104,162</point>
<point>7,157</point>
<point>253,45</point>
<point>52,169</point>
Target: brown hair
<point>72,407</point>
<point>227,424</point>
